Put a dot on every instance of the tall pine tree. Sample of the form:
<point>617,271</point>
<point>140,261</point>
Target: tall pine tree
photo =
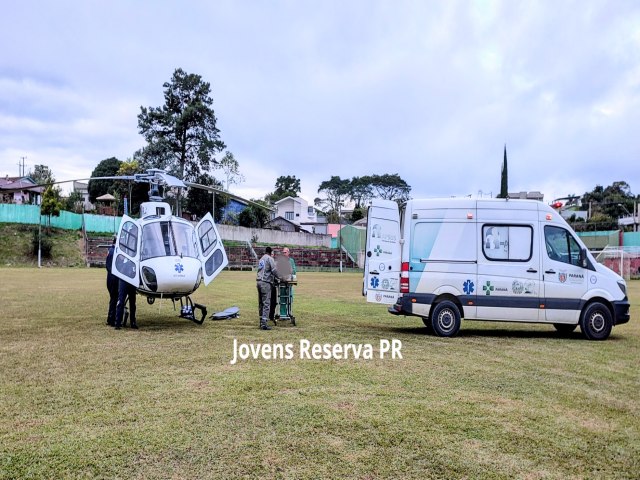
<point>504,182</point>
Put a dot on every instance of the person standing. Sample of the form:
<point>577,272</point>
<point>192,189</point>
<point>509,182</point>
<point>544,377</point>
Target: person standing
<point>266,277</point>
<point>294,271</point>
<point>112,286</point>
<point>126,291</point>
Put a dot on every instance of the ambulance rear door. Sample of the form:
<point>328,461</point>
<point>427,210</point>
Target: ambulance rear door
<point>382,253</point>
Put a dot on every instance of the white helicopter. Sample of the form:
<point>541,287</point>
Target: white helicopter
<point>165,256</point>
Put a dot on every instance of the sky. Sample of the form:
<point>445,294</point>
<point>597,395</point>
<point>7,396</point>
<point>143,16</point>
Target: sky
<point>430,90</point>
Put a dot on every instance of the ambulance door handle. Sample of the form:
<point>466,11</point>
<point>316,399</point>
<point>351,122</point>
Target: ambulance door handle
<point>532,270</point>
<point>550,272</point>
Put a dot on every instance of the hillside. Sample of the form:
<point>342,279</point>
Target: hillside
<point>16,247</point>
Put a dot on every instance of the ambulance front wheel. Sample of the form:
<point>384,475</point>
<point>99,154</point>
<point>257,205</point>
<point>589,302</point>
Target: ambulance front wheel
<point>445,319</point>
<point>596,322</point>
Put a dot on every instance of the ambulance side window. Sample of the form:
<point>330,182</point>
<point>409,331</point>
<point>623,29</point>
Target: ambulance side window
<point>561,246</point>
<point>511,243</point>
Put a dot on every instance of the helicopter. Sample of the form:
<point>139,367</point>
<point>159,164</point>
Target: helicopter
<point>165,256</point>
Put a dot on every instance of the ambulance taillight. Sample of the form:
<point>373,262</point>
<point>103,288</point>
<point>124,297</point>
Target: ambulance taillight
<point>404,277</point>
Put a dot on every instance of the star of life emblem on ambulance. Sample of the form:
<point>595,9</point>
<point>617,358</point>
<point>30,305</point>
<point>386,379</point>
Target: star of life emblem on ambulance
<point>375,282</point>
<point>378,250</point>
<point>468,287</point>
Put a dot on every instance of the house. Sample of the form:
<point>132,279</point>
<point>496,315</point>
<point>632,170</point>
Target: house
<point>527,195</point>
<point>83,189</point>
<point>20,190</point>
<point>280,223</point>
<point>297,211</point>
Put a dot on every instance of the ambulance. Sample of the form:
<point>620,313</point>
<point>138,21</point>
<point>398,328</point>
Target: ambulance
<point>445,260</point>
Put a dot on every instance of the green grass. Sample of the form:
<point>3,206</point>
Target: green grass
<point>81,400</point>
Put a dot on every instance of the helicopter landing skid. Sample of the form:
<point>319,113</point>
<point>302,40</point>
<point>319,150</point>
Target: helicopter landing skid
<point>188,310</point>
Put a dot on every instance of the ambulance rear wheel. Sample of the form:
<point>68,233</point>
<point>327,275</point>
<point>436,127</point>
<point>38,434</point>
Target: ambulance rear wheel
<point>596,322</point>
<point>445,319</point>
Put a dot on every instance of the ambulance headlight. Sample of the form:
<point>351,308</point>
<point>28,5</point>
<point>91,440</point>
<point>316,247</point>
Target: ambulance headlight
<point>623,287</point>
<point>150,278</point>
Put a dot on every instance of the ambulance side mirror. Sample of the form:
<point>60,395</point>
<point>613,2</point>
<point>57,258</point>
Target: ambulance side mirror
<point>583,258</point>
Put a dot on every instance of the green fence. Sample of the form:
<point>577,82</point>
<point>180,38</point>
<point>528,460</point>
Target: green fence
<point>101,223</point>
<point>30,214</point>
<point>600,240</point>
<point>354,240</point>
<point>631,239</point>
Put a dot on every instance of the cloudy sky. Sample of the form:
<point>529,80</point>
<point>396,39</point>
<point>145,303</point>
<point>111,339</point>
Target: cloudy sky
<point>431,90</point>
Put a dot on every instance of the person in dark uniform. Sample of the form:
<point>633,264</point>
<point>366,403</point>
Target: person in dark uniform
<point>112,287</point>
<point>266,277</point>
<point>126,291</point>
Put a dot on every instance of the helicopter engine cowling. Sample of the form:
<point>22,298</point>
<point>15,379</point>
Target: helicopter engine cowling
<point>170,275</point>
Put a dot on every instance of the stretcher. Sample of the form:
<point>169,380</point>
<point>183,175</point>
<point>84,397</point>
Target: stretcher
<point>285,302</point>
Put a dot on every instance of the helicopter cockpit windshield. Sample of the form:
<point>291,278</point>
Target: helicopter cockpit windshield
<point>166,238</point>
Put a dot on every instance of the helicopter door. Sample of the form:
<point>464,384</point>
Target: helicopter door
<point>126,257</point>
<point>210,249</point>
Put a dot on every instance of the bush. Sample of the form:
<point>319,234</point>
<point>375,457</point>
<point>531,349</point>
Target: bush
<point>45,244</point>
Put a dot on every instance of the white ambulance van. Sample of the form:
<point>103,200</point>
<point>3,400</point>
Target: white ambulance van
<point>505,260</point>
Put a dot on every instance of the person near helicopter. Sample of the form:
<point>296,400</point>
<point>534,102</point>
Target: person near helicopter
<point>112,286</point>
<point>126,291</point>
<point>265,279</point>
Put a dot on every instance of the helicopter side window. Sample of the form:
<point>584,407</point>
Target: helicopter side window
<point>208,237</point>
<point>129,239</point>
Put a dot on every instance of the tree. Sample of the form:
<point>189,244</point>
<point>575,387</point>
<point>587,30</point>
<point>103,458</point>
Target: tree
<point>42,175</point>
<point>51,204</point>
<point>181,135</point>
<point>361,190</point>
<point>504,179</point>
<point>253,216</point>
<point>390,187</point>
<point>73,203</point>
<point>200,201</point>
<point>286,186</point>
<point>231,169</point>
<point>106,168</point>
<point>357,214</point>
<point>614,201</point>
<point>336,191</point>
<point>135,192</point>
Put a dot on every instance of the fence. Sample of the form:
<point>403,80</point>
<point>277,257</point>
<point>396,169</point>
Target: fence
<point>600,240</point>
<point>275,237</point>
<point>625,261</point>
<point>354,242</point>
<point>30,214</point>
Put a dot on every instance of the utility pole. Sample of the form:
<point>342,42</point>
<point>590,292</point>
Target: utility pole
<point>21,166</point>
<point>340,232</point>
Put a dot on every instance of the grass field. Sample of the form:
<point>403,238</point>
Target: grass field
<point>81,400</point>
